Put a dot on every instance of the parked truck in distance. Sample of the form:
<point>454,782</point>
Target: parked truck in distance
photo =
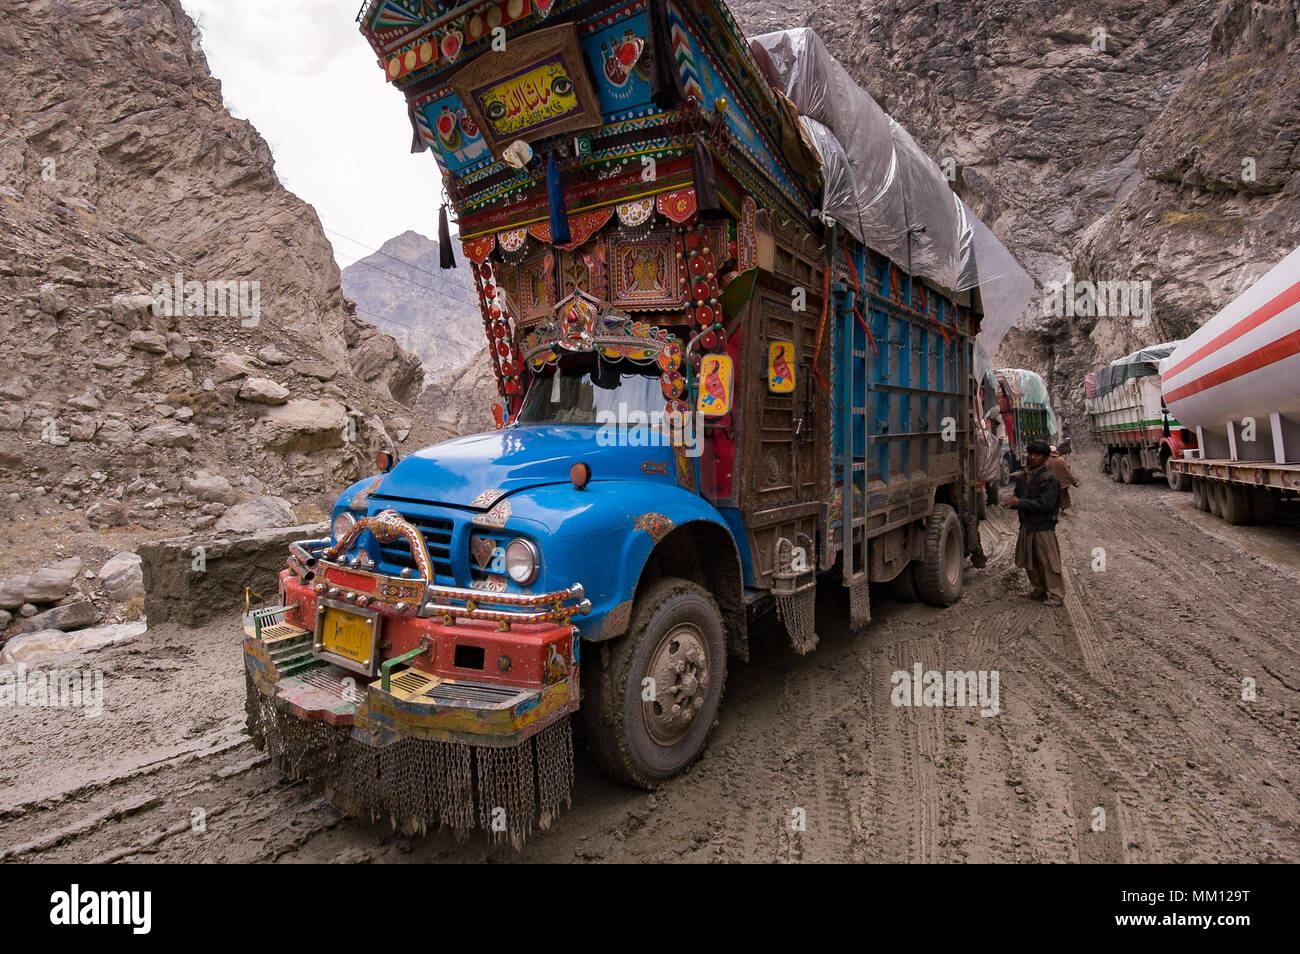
<point>1128,418</point>
<point>1234,382</point>
<point>1025,413</point>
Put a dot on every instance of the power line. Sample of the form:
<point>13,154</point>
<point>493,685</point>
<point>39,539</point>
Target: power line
<point>468,302</point>
<point>380,251</point>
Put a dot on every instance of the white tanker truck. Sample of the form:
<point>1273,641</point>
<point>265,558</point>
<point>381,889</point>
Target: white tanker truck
<point>1236,383</point>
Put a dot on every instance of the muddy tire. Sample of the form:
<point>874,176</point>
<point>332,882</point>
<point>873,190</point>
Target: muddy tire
<point>1127,472</point>
<point>939,574</point>
<point>1264,507</point>
<point>1217,491</point>
<point>902,588</point>
<point>1116,468</point>
<point>677,639</point>
<point>1175,481</point>
<point>1235,504</point>
<point>1201,494</point>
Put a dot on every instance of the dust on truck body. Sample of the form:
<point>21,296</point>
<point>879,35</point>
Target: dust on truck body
<point>1128,418</point>
<point>1233,383</point>
<point>712,399</point>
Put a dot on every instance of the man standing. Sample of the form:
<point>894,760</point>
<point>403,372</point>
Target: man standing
<point>1038,498</point>
<point>1064,475</point>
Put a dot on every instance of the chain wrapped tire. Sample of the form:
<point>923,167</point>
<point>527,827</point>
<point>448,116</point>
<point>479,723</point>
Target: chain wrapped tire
<point>642,732</point>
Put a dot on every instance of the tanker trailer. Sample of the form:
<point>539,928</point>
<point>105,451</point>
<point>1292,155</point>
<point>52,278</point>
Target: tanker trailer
<point>1234,383</point>
<point>1128,418</point>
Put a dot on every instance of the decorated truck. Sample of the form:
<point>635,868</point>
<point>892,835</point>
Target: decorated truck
<point>1128,418</point>
<point>720,391</point>
<point>1024,412</point>
<point>1234,383</point>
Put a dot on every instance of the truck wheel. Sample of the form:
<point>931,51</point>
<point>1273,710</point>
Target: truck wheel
<point>1200,494</point>
<point>1117,467</point>
<point>1236,504</point>
<point>939,577</point>
<point>1126,471</point>
<point>677,640</point>
<point>1176,481</point>
<point>1216,493</point>
<point>1264,507</point>
<point>903,587</point>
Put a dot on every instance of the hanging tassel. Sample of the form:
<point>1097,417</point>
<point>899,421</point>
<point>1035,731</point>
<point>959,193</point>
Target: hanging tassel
<point>665,80</point>
<point>417,141</point>
<point>706,183</point>
<point>555,195</point>
<point>446,257</point>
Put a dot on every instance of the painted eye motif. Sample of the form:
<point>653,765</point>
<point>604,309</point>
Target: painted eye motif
<point>562,86</point>
<point>496,111</point>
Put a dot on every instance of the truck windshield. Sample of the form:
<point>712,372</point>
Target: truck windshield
<point>586,389</point>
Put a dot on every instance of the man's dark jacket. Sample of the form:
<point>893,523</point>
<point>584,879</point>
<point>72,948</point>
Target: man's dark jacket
<point>1040,499</point>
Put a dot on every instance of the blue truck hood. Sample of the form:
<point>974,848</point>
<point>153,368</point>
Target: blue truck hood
<point>457,471</point>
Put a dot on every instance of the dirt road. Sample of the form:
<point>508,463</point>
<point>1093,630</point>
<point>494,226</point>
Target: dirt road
<point>1121,732</point>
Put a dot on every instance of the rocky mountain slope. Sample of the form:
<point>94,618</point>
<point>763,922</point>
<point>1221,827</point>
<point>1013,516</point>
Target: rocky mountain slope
<point>127,189</point>
<point>1119,140</point>
<point>431,312</point>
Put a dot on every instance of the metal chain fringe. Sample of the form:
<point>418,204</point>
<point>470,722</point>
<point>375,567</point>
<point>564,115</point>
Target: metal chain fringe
<point>798,612</point>
<point>419,784</point>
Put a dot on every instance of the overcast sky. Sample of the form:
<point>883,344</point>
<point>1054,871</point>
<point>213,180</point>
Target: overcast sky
<point>303,74</point>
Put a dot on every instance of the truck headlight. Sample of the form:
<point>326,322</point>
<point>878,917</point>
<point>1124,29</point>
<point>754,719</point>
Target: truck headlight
<point>522,561</point>
<point>344,522</point>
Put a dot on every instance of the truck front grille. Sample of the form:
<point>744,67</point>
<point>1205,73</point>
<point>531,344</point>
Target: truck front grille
<point>437,532</point>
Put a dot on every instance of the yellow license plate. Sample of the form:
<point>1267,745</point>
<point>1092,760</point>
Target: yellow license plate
<point>346,634</point>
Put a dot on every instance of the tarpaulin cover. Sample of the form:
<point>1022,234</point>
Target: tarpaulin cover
<point>1140,364</point>
<point>884,190</point>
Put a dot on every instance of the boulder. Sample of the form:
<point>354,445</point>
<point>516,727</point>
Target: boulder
<point>183,589</point>
<point>113,430</point>
<point>51,583</point>
<point>153,342</point>
<point>169,434</point>
<point>11,592</point>
<point>255,515</point>
<point>273,355</point>
<point>122,577</point>
<point>68,616</point>
<point>52,301</point>
<point>106,513</point>
<point>230,366</point>
<point>133,312</point>
<point>302,425</point>
<point>211,487</point>
<point>36,647</point>
<point>263,391</point>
